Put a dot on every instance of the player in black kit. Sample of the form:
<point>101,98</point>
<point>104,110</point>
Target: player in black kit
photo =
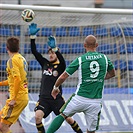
<point>51,70</point>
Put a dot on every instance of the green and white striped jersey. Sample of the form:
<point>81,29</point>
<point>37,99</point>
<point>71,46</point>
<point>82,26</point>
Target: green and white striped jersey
<point>92,68</point>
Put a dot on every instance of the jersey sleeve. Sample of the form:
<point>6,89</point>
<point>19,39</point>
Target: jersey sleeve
<point>72,67</point>
<point>37,55</point>
<point>14,65</point>
<point>61,59</point>
<point>110,65</point>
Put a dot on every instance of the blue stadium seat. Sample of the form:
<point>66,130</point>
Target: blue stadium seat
<point>128,31</point>
<point>45,48</point>
<point>16,31</point>
<point>77,48</point>
<point>64,48</point>
<point>45,31</point>
<point>74,31</point>
<point>3,65</point>
<point>40,48</point>
<point>87,31</point>
<point>67,62</point>
<point>115,31</point>
<point>101,31</point>
<point>27,49</point>
<point>106,48</point>
<point>120,48</point>
<point>130,65</point>
<point>120,64</point>
<point>130,48</point>
<point>60,31</point>
<point>34,65</point>
<point>4,31</point>
<point>3,48</point>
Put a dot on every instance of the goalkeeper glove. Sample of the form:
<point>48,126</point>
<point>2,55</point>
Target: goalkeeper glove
<point>52,43</point>
<point>33,30</point>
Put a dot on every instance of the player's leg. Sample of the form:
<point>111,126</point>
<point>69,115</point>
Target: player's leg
<point>92,116</point>
<point>68,108</point>
<point>57,104</point>
<point>10,114</point>
<point>42,110</point>
<point>74,125</point>
<point>38,118</point>
<point>90,131</point>
<point>56,123</point>
<point>5,118</point>
<point>5,128</point>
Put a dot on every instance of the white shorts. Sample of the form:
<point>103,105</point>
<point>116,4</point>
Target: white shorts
<point>91,108</point>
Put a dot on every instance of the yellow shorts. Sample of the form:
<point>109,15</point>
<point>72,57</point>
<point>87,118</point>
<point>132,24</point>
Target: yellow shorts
<point>9,115</point>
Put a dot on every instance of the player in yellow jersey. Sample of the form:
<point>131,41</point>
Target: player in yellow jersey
<point>17,82</point>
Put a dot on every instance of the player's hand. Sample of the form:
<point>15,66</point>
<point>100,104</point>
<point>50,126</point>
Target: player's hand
<point>52,42</point>
<point>12,103</point>
<point>55,92</point>
<point>33,29</point>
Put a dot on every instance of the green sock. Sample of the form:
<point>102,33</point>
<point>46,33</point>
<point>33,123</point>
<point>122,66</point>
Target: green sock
<point>56,123</point>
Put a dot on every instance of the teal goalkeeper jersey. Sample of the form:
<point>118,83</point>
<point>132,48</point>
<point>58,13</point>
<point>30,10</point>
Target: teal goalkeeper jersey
<point>92,68</point>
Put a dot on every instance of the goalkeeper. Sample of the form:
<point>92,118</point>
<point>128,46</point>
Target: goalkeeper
<point>51,70</point>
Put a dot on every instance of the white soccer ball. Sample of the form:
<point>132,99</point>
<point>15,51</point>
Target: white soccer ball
<point>28,15</point>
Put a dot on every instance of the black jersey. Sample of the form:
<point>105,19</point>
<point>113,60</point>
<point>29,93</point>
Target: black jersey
<point>50,72</point>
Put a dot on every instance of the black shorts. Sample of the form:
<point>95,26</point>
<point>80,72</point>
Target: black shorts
<point>49,105</point>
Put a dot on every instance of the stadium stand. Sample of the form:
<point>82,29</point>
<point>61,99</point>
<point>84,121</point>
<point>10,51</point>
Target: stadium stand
<point>34,65</point>
<point>16,31</point>
<point>27,49</point>
<point>45,48</point>
<point>101,31</point>
<point>47,31</point>
<point>128,31</point>
<point>87,31</point>
<point>60,31</point>
<point>115,31</point>
<point>74,31</point>
<point>5,31</point>
<point>3,48</point>
<point>3,65</point>
<point>120,64</point>
<point>106,48</point>
<point>130,65</point>
<point>130,48</point>
<point>64,48</point>
<point>77,48</point>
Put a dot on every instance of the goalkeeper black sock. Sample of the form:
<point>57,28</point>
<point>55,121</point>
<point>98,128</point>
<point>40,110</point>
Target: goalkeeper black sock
<point>40,128</point>
<point>76,127</point>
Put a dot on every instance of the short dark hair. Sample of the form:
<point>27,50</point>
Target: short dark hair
<point>50,49</point>
<point>12,44</point>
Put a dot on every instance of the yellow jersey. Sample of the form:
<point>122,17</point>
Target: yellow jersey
<point>17,67</point>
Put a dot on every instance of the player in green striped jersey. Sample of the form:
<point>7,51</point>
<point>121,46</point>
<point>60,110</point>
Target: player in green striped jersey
<point>93,68</point>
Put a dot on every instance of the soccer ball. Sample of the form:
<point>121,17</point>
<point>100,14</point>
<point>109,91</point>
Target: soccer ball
<point>28,15</point>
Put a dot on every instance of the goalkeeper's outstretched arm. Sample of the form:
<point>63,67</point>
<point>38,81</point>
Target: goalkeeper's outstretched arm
<point>4,83</point>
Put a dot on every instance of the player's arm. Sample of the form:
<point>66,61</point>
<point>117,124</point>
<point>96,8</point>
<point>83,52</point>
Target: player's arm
<point>33,31</point>
<point>52,44</point>
<point>14,68</point>
<point>110,74</point>
<point>4,83</point>
<point>58,82</point>
<point>110,70</point>
<point>69,71</point>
